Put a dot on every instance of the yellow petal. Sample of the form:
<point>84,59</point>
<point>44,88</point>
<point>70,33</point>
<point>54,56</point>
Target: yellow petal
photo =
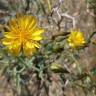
<point>28,52</point>
<point>22,22</point>
<point>26,18</point>
<point>12,22</point>
<point>8,35</point>
<point>28,49</point>
<point>19,15</point>
<point>38,31</point>
<point>37,38</point>
<point>32,23</point>
<point>29,44</point>
<point>6,41</point>
<point>36,44</point>
<point>14,49</point>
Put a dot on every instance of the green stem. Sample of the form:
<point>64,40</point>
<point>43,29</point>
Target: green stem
<point>26,64</point>
<point>76,61</point>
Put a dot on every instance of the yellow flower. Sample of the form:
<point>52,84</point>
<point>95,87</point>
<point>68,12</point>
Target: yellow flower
<point>75,39</point>
<point>23,34</point>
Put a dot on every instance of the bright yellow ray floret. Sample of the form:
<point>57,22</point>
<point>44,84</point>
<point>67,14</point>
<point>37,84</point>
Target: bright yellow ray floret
<point>76,39</point>
<point>23,34</point>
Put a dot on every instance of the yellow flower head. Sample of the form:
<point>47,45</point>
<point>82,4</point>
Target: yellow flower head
<point>23,33</point>
<point>75,39</point>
